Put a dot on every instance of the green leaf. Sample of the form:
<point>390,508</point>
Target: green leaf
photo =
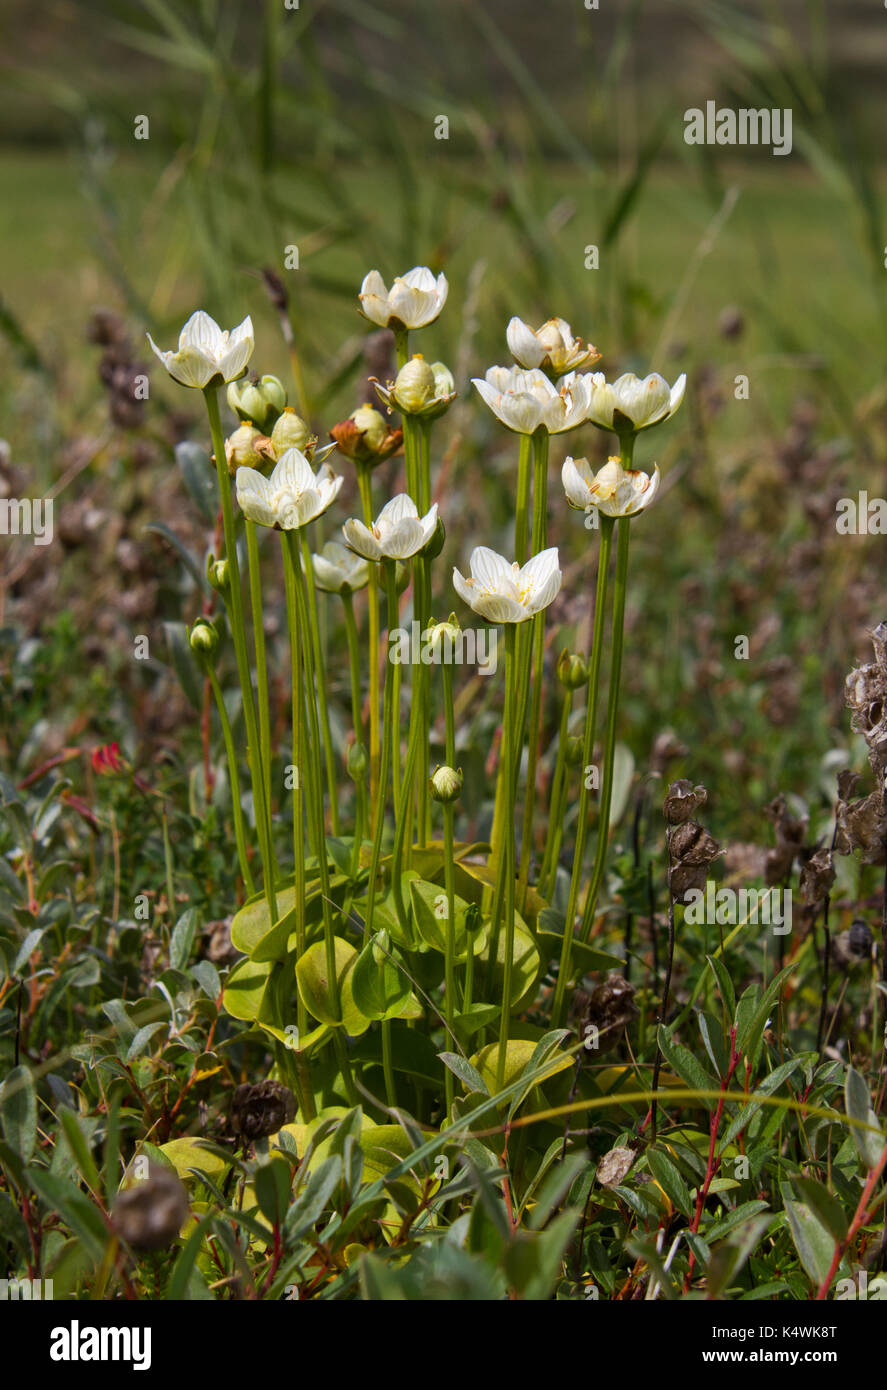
<point>725,984</point>
<point>688,1067</point>
<point>748,1037</point>
<point>141,1040</point>
<point>380,987</point>
<point>180,1286</point>
<point>311,1203</point>
<point>469,1076</point>
<point>245,988</point>
<point>316,993</point>
<point>727,1259</point>
<point>12,1226</point>
<point>869,1146</point>
<point>824,1204</point>
<point>182,939</point>
<point>75,1208</point>
<point>814,1244</point>
<point>79,1146</point>
<point>430,908</point>
<point>18,1107</point>
<point>183,661</point>
<point>199,477</point>
<point>273,1181</point>
<point>671,1182</point>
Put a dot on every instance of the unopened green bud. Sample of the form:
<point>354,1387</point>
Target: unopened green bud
<point>289,432</point>
<point>204,637</point>
<point>259,401</point>
<point>572,671</point>
<point>445,784</point>
<point>414,386</point>
<point>574,751</point>
<point>358,762</point>
<point>381,946</point>
<point>436,543</point>
<point>371,424</point>
<point>217,573</point>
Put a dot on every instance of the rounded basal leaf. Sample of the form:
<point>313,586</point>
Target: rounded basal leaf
<point>185,1154</point>
<point>526,964</point>
<point>518,1053</point>
<point>430,908</point>
<point>251,929</point>
<point>245,989</point>
<point>315,992</point>
<point>379,986</point>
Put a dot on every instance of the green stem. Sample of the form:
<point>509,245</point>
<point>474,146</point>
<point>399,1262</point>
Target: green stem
<point>540,529</point>
<point>255,595</point>
<point>320,683</point>
<point>521,521</point>
<point>363,480</point>
<point>555,814</point>
<point>360,827</point>
<point>234,781</point>
<point>388,567</point>
<point>238,631</point>
<point>623,534</point>
<point>450,959</point>
<point>597,645</point>
<point>299,764</point>
<point>509,753</point>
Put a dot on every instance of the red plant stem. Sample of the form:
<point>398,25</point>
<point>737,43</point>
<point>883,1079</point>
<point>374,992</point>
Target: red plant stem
<point>859,1220</point>
<point>713,1164</point>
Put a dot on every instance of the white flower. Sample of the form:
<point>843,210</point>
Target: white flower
<point>504,593</point>
<point>614,490</point>
<point>524,400</point>
<point>336,568</point>
<point>551,347</point>
<point>630,404</point>
<point>397,534</point>
<point>414,300</point>
<point>207,355</point>
<point>291,497</point>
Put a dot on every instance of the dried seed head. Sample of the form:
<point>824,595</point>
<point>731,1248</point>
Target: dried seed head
<point>682,800</point>
<point>860,937</point>
<point>817,877</point>
<point>862,825</point>
<point>610,1008</point>
<point>261,1109</point>
<point>149,1215</point>
<point>691,844</point>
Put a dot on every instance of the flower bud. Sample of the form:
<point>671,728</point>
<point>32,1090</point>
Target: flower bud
<point>366,436</point>
<point>247,447</point>
<point>442,637</point>
<point>357,762</point>
<point>414,386</point>
<point>260,400</point>
<point>572,671</point>
<point>289,432</point>
<point>217,573</point>
<point>150,1215</point>
<point>574,750</point>
<point>381,946</point>
<point>432,548</point>
<point>445,784</point>
<point>204,638</point>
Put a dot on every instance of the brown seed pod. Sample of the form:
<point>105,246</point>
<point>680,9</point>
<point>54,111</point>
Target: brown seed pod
<point>691,844</point>
<point>149,1215</point>
<point>261,1109</point>
<point>610,1008</point>
<point>614,1166</point>
<point>817,877</point>
<point>682,800</point>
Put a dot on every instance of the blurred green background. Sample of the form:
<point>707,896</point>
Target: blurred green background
<point>315,128</point>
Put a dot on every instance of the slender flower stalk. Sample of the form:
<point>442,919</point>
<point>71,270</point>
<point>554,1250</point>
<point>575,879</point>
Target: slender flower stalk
<point>360,828</point>
<point>559,784</point>
<point>263,821</point>
<point>623,534</point>
<point>389,579</point>
<point>299,762</point>
<point>320,674</point>
<point>366,502</point>
<point>508,866</point>
<point>449,811</point>
<point>603,572</point>
<point>255,595</point>
<point>540,529</point>
<point>234,781</point>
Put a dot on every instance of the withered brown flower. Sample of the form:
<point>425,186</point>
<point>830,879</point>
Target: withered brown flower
<point>149,1215</point>
<point>261,1109</point>
<point>682,800</point>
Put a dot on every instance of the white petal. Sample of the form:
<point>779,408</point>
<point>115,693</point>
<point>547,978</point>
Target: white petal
<point>523,344</point>
<point>490,569</point>
<point>253,496</point>
<point>361,540</point>
<point>292,471</point>
<point>400,506</point>
<point>204,334</point>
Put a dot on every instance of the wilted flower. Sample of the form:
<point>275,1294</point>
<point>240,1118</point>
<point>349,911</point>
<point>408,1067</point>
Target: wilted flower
<point>817,877</point>
<point>414,300</point>
<point>614,490</point>
<point>397,533</point>
<point>445,784</point>
<point>366,437</point>
<point>337,568</point>
<point>552,347</point>
<point>629,405</point>
<point>247,447</point>
<point>261,1109</point>
<point>504,593</point>
<point>421,388</point>
<point>150,1214</point>
<point>609,1009</point>
<point>291,497</point>
<point>207,356</point>
<point>526,400</point>
<point>259,400</point>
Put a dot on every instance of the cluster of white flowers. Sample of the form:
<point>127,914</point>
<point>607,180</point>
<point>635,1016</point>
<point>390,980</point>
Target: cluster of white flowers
<point>545,390</point>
